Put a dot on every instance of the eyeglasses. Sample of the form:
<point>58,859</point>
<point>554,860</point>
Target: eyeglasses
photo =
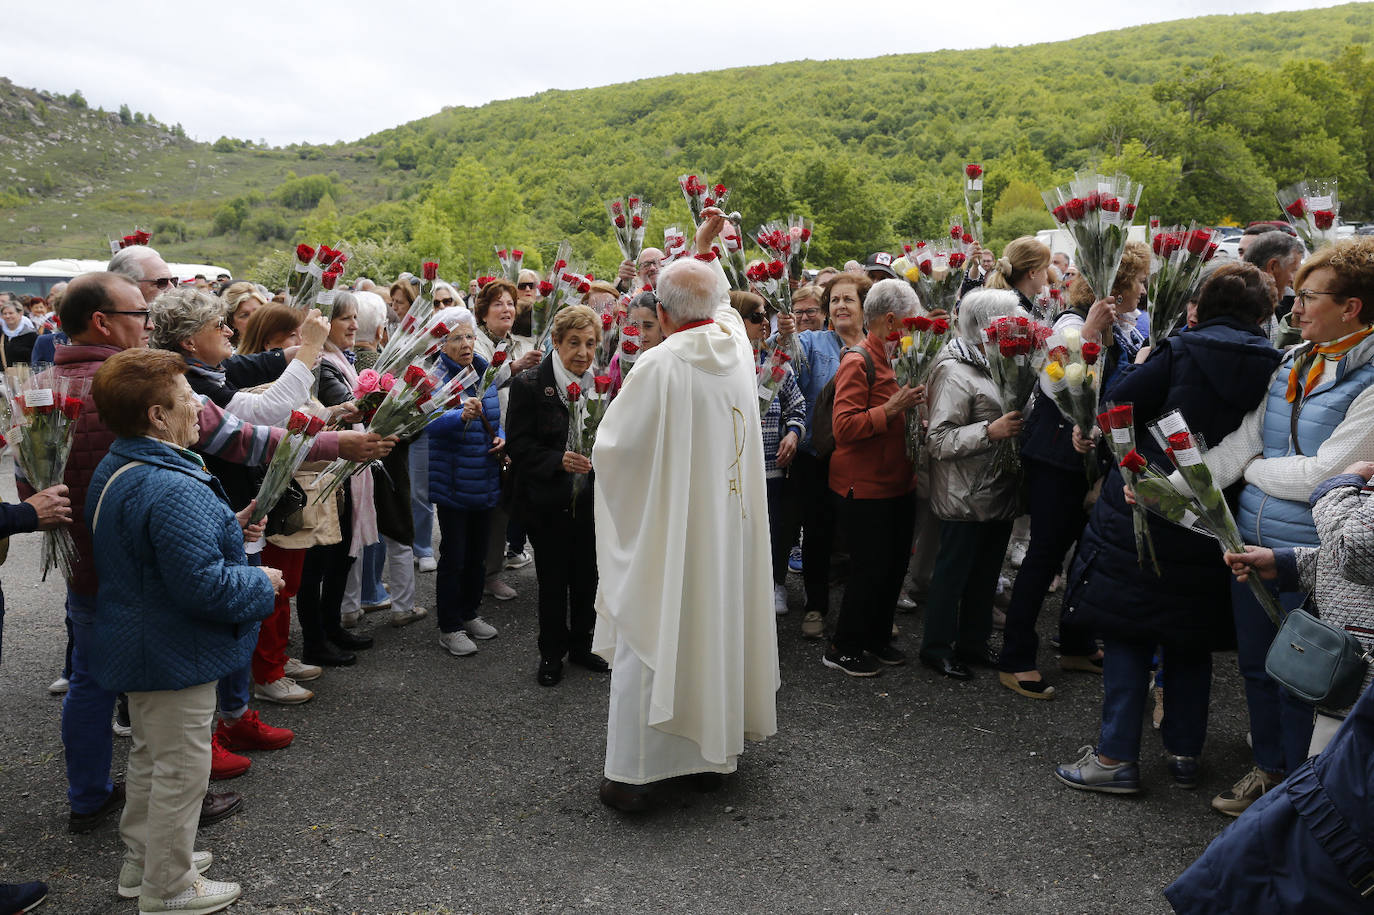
<point>444,302</point>
<point>1305,296</point>
<point>529,285</point>
<point>161,282</point>
<point>145,316</point>
<point>757,317</point>
<point>806,312</point>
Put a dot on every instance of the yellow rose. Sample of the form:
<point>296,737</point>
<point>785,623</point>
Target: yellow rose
<point>1055,371</point>
<point>907,342</point>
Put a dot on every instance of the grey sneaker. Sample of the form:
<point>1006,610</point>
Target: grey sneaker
<point>402,618</point>
<point>1252,785</point>
<point>131,874</point>
<point>200,898</point>
<point>517,560</point>
<point>351,618</point>
<point>457,643</point>
<point>300,671</point>
<point>1087,773</point>
<point>479,628</point>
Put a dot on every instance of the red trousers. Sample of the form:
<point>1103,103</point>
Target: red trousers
<point>269,658</point>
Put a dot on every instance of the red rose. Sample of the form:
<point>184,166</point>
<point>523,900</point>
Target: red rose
<point>143,237</point>
<point>910,323</point>
<point>1157,245</point>
<point>1093,201</point>
<point>776,269</point>
<point>1091,351</point>
<point>559,264</point>
<point>1323,219</point>
<point>498,357</point>
<point>990,332</point>
<point>1122,416</point>
<point>926,267</point>
<point>1129,213</point>
<point>71,408</point>
<point>606,322</point>
<point>1111,204</point>
<point>413,374</point>
<point>920,245</point>
<point>634,201</point>
<point>501,254</point>
<point>1021,321</point>
<point>1055,293</point>
<point>329,279</point>
<point>574,391</point>
<point>956,260</point>
<point>1060,213</point>
<point>439,331</point>
<point>968,238</point>
<point>545,287</point>
<point>894,337</point>
<point>956,232</point>
<point>602,383</point>
<point>619,222</point>
<point>708,202</point>
<point>430,269</point>
<point>304,253</point>
<point>629,330</point>
<point>780,357</point>
<point>973,170</point>
<point>805,234</point>
<point>297,421</point>
<point>1295,209</point>
<point>1134,462</point>
<point>1211,251</point>
<point>315,426</point>
<point>584,287</point>
<point>636,221</point>
<point>721,190</point>
<point>1007,347</point>
<point>939,326</point>
<point>1197,242</point>
<point>1060,354</point>
<point>1076,208</point>
<point>906,249</point>
<point>616,207</point>
<point>1180,440</point>
<point>778,374</point>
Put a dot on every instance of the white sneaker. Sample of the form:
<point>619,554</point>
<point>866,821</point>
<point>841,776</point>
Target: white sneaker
<point>499,589</point>
<point>403,618</point>
<point>351,618</point>
<point>780,600</point>
<point>457,643</point>
<point>283,691</point>
<point>131,874</point>
<point>479,628</point>
<point>1017,554</point>
<point>200,898</point>
<point>380,605</point>
<point>300,671</point>
<point>427,563</point>
<point>121,730</point>
<point>59,686</point>
<point>518,560</point>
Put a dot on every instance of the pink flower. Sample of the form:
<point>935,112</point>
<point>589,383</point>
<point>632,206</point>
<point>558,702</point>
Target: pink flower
<point>368,381</point>
<point>387,382</point>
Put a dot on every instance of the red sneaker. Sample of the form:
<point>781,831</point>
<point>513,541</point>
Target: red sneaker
<point>249,733</point>
<point>224,764</point>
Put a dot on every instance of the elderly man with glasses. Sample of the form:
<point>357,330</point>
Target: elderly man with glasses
<point>145,267</point>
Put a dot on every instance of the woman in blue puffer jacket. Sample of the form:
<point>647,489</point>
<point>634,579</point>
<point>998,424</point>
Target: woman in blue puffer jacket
<point>466,451</point>
<point>178,608</point>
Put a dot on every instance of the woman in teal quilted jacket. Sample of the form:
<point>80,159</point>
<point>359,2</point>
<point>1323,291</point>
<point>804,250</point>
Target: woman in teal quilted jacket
<point>178,608</point>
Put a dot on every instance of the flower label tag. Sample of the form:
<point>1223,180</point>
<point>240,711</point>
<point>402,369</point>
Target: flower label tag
<point>1187,457</point>
<point>38,397</point>
<point>1111,217</point>
<point>975,184</point>
<point>1172,423</point>
<point>1319,203</point>
<point>1121,436</point>
<point>16,436</point>
<point>315,270</point>
<point>466,379</point>
<point>301,268</point>
<point>1188,519</point>
<point>325,297</point>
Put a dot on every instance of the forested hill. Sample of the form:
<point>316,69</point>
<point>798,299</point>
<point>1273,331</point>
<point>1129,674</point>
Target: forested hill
<point>1210,113</point>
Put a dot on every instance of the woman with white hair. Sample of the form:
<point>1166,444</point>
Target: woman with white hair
<point>876,485</point>
<point>972,492</point>
<point>371,329</point>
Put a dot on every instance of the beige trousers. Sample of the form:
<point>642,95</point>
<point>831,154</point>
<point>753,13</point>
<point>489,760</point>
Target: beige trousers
<point>168,772</point>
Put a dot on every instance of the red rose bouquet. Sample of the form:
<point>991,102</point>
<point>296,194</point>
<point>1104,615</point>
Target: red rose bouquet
<point>630,348</point>
<point>585,410</point>
<point>1015,351</point>
<point>973,200</point>
<point>1097,211</point>
<point>1313,209</point>
<point>42,422</point>
<point>786,242</point>
<point>1117,423</point>
<point>562,286</point>
<point>733,260</point>
<point>920,343</point>
<point>937,273</point>
<point>139,237</point>
<point>302,427</point>
<point>510,260</point>
<point>769,279</point>
<point>628,215</point>
<point>1178,258</point>
<point>315,271</point>
<point>771,372</point>
<point>613,318</point>
<point>1072,381</point>
<point>700,195</point>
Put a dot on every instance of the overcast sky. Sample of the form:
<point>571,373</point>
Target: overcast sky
<point>326,71</point>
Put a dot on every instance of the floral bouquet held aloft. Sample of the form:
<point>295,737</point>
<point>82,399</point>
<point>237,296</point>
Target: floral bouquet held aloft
<point>139,237</point>
<point>630,347</point>
<point>627,219</point>
<point>1312,208</point>
<point>1072,382</point>
<point>699,196</point>
<point>920,344</point>
<point>1179,256</point>
<point>585,411</point>
<point>1117,423</point>
<point>42,423</point>
<point>769,279</point>
<point>497,373</point>
<point>787,242</point>
<point>1097,211</point>
<point>973,200</point>
<point>511,260</point>
<point>308,274</point>
<point>937,273</point>
<point>302,426</point>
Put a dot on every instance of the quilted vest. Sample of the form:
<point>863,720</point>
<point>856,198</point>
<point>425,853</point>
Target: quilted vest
<point>1266,520</point>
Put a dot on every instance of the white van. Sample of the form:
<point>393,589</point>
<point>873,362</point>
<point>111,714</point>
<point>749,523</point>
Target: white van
<point>34,280</point>
<point>1060,240</point>
<point>183,272</point>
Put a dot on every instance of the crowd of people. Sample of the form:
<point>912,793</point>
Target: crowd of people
<point>179,611</point>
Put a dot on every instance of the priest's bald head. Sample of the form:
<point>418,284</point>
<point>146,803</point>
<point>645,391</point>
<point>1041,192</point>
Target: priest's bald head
<point>686,292</point>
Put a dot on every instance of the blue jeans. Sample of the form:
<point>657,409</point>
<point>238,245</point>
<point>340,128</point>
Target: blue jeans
<point>1280,726</point>
<point>374,560</point>
<point>421,510</point>
<point>234,689</point>
<point>1126,684</point>
<point>86,714</point>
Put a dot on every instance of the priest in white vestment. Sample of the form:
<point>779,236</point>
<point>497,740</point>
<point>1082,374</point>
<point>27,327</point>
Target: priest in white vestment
<point>684,607</point>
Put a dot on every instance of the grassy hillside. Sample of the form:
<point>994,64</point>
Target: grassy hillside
<point>1211,113</point>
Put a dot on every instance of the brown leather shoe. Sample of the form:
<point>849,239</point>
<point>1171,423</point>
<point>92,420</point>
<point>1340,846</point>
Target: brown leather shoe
<point>85,822</point>
<point>216,807</point>
<point>626,798</point>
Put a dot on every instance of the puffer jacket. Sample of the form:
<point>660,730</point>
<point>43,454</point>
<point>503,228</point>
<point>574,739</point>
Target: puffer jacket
<point>967,480</point>
<point>462,474</point>
<point>178,605</point>
<point>537,437</point>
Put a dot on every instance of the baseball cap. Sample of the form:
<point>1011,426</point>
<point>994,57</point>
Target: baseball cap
<point>880,263</point>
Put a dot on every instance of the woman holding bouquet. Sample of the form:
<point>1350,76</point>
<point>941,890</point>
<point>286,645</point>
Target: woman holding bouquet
<point>1052,456</point>
<point>1317,418</point>
<point>971,492</point>
<point>1215,374</point>
<point>542,403</point>
<point>465,457</point>
<point>784,422</point>
<point>496,311</point>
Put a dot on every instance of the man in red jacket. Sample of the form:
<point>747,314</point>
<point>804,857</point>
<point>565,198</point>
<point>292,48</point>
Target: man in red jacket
<point>104,313</point>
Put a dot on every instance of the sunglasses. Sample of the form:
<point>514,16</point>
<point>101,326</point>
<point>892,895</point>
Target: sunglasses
<point>526,285</point>
<point>757,317</point>
<point>162,282</point>
<point>444,302</point>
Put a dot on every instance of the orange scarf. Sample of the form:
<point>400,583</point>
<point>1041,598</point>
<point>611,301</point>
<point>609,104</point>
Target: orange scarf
<point>1315,359</point>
